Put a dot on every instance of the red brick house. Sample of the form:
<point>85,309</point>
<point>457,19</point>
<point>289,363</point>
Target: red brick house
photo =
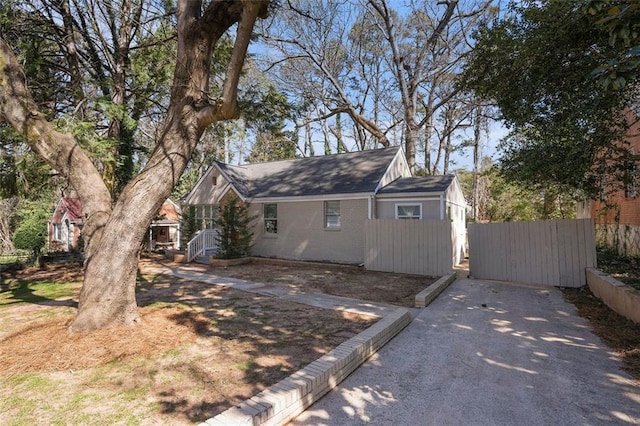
<point>617,213</point>
<point>65,227</point>
<point>164,232</point>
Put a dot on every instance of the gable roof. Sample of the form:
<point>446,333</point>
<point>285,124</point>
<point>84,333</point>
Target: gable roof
<point>419,184</point>
<point>350,173</point>
<point>71,206</point>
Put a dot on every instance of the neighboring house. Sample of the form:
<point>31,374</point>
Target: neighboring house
<point>315,208</point>
<point>164,232</point>
<point>616,214</point>
<point>65,227</point>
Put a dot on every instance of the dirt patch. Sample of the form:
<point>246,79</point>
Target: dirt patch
<point>47,346</point>
<point>200,349</point>
<point>616,331</point>
<point>625,269</point>
<point>338,280</point>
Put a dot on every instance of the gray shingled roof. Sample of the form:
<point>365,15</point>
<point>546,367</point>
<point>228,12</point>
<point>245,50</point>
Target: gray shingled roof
<point>418,184</point>
<point>351,173</point>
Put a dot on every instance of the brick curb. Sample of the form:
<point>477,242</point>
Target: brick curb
<point>620,297</point>
<point>291,396</point>
<point>428,295</point>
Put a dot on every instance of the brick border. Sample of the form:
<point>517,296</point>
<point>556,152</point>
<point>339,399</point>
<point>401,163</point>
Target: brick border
<point>428,295</point>
<point>622,298</point>
<point>291,396</point>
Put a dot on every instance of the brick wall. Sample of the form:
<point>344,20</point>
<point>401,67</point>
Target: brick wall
<point>620,207</point>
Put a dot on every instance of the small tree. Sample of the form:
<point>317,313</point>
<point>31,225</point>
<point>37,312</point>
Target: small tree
<point>188,225</point>
<point>31,232</point>
<point>235,237</point>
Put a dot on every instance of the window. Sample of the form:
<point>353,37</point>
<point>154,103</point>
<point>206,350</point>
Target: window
<point>205,216</point>
<point>57,232</point>
<point>332,214</point>
<point>603,188</point>
<point>408,211</point>
<point>214,180</point>
<point>630,188</point>
<point>270,212</point>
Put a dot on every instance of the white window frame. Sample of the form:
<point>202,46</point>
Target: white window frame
<point>327,225</point>
<point>57,232</point>
<point>206,215</point>
<point>274,219</point>
<point>419,205</point>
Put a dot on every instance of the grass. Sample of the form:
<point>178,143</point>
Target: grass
<point>17,291</point>
<point>11,258</point>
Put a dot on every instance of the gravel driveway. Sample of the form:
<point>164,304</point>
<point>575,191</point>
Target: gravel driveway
<point>487,353</point>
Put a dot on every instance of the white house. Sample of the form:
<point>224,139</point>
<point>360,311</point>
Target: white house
<point>315,208</point>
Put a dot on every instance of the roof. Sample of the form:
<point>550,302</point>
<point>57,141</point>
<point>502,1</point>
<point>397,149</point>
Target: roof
<point>71,206</point>
<point>418,184</point>
<point>350,173</point>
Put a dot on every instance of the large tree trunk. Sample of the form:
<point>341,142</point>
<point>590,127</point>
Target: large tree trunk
<point>114,235</point>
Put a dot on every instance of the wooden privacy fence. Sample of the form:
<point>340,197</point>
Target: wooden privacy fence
<point>421,247</point>
<point>553,253</point>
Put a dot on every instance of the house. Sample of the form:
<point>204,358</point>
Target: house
<point>315,208</point>
<point>164,232</point>
<point>65,227</point>
<point>616,213</point>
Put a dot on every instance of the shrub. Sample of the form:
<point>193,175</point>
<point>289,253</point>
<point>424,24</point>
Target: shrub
<point>235,237</point>
<point>31,233</point>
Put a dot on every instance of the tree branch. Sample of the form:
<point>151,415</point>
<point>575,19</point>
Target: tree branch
<point>227,107</point>
<point>59,150</point>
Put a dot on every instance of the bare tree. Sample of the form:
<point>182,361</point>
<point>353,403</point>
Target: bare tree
<point>317,53</point>
<point>114,232</point>
<point>427,52</point>
<point>391,71</point>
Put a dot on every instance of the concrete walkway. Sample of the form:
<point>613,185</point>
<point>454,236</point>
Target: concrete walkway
<point>483,353</point>
<point>325,301</point>
<point>487,353</point>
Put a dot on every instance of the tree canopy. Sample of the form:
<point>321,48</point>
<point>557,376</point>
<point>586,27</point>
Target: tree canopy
<point>116,213</point>
<point>539,64</point>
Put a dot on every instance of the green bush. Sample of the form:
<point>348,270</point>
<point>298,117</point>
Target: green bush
<point>30,232</point>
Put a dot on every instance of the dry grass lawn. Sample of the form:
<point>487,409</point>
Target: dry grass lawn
<point>199,350</point>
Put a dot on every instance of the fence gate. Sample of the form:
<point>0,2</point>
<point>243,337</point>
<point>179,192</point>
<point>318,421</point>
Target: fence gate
<point>553,253</point>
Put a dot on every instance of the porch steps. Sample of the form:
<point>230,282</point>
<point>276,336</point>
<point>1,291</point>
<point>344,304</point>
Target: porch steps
<point>204,259</point>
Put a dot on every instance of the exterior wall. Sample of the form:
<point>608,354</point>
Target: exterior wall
<point>386,209</point>
<point>421,247</point>
<point>70,234</point>
<point>623,210</point>
<point>302,235</point>
<point>623,239</point>
<point>169,211</point>
<point>454,194</point>
<point>551,253</point>
<point>205,192</point>
<point>397,169</point>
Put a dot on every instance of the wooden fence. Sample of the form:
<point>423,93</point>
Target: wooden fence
<point>421,247</point>
<point>553,253</point>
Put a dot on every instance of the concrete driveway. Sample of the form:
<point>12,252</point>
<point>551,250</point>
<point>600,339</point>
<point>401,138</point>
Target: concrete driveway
<point>487,353</point>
